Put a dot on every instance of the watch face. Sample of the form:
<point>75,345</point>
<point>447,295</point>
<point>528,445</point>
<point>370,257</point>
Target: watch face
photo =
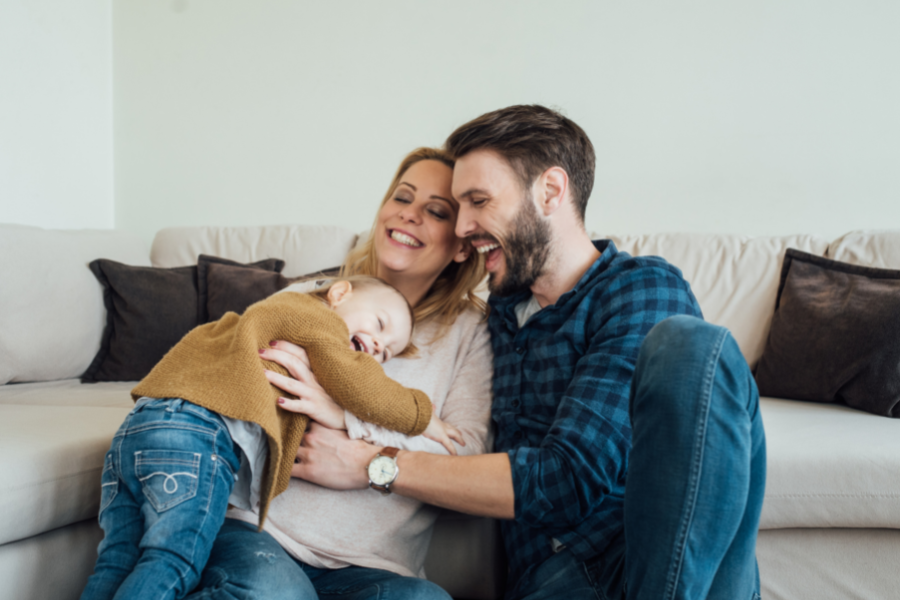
<point>382,470</point>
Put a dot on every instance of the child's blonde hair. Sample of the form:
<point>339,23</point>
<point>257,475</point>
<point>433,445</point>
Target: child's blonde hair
<point>361,282</point>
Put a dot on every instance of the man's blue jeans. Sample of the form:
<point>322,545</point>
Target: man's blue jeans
<point>696,477</point>
<point>166,482</point>
<point>246,564</point>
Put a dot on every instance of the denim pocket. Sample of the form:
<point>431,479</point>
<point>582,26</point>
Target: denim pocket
<point>168,477</point>
<point>109,482</point>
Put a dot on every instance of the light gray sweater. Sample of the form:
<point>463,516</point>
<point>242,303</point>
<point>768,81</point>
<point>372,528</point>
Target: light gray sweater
<point>333,529</point>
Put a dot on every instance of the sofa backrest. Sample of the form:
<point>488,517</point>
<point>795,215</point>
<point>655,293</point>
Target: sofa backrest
<point>51,305</point>
<point>304,248</point>
<point>880,249</point>
<point>735,278</point>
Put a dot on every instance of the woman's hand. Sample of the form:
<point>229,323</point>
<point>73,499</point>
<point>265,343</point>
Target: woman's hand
<point>312,400</point>
<point>442,432</point>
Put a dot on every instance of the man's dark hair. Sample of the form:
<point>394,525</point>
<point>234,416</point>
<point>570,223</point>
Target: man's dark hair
<point>532,138</point>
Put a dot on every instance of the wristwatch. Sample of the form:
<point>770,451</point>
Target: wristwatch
<point>383,470</point>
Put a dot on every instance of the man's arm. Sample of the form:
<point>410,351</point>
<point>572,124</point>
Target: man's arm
<point>478,485</point>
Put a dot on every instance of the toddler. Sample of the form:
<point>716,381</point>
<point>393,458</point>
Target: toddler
<point>206,430</point>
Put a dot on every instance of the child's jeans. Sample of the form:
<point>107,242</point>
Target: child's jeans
<point>166,482</point>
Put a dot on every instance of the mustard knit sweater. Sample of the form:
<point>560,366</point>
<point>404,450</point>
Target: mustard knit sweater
<point>217,366</point>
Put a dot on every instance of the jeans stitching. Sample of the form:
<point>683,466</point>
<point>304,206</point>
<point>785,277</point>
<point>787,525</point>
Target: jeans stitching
<point>696,463</point>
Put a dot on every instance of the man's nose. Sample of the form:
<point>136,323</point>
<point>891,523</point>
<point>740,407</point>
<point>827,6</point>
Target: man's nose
<point>465,222</point>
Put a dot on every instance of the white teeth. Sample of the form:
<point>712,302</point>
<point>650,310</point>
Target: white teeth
<point>488,248</point>
<point>404,239</point>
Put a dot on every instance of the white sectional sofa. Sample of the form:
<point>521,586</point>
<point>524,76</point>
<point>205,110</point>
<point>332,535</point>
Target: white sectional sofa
<point>830,525</point>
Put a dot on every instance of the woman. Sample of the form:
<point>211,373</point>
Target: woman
<point>359,544</point>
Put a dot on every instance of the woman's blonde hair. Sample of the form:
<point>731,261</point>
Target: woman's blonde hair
<point>454,290</point>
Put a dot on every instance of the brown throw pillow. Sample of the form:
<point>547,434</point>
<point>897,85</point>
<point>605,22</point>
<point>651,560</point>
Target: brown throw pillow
<point>835,335</point>
<point>232,288</point>
<point>148,310</point>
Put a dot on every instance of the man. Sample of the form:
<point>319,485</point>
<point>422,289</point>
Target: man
<point>630,451</point>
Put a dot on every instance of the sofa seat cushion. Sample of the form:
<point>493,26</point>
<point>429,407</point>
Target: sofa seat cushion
<point>51,456</point>
<point>829,466</point>
<point>69,392</point>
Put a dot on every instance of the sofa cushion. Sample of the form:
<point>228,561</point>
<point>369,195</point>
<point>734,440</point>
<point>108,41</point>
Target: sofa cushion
<point>834,336</point>
<point>51,306</point>
<point>148,311</point>
<point>69,392</point>
<point>50,463</point>
<point>829,466</point>
<point>734,278</point>
<point>304,248</point>
<point>230,288</point>
<point>879,249</point>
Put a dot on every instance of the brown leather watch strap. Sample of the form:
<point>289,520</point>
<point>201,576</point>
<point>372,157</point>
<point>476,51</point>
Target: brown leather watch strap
<point>390,452</point>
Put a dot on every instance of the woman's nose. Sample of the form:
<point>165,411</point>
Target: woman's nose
<point>411,214</point>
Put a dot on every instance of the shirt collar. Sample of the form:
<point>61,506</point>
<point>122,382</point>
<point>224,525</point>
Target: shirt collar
<point>506,306</point>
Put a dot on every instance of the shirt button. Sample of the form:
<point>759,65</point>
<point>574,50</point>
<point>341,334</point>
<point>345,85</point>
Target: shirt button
<point>515,403</point>
<point>520,349</point>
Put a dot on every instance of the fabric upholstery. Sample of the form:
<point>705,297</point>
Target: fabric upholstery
<point>834,336</point>
<point>735,278</point>
<point>148,310</point>
<point>229,288</point>
<point>830,564</point>
<point>880,249</point>
<point>50,463</point>
<point>51,306</point>
<point>55,564</point>
<point>829,466</point>
<point>304,248</point>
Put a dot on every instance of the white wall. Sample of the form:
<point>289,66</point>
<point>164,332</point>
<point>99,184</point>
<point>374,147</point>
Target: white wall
<point>56,161</point>
<point>767,117</point>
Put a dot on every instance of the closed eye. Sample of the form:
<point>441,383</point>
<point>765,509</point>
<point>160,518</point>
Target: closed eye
<point>380,324</point>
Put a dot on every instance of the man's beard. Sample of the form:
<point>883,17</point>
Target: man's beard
<point>525,251</point>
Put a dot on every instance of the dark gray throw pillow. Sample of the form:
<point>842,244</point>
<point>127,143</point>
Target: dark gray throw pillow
<point>206,263</point>
<point>232,288</point>
<point>835,335</point>
<point>148,310</point>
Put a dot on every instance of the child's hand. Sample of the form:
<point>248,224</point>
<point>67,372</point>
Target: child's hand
<point>442,433</point>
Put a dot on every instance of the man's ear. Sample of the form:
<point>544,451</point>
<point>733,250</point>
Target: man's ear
<point>339,292</point>
<point>553,185</point>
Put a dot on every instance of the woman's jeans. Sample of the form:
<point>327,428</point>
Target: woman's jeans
<point>166,482</point>
<point>696,477</point>
<point>246,564</point>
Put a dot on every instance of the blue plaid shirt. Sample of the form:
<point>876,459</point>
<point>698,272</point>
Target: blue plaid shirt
<point>561,390</point>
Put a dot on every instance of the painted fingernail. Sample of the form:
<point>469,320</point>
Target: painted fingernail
<point>281,401</point>
<point>262,350</point>
<point>272,343</point>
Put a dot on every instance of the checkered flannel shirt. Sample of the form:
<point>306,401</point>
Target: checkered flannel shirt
<point>561,391</point>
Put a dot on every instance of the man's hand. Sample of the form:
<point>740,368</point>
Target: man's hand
<point>329,458</point>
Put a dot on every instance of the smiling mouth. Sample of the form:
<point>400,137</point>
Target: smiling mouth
<point>487,248</point>
<point>406,240</point>
<point>358,344</point>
